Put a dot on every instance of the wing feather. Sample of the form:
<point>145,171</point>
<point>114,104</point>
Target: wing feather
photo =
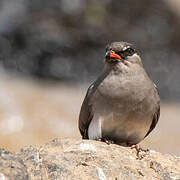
<point>156,115</point>
<point>86,114</point>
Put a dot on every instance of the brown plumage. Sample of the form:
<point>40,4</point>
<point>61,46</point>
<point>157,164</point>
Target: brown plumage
<point>123,104</point>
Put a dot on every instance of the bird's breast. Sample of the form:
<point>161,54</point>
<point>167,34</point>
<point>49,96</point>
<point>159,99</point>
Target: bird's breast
<point>126,87</point>
<point>124,107</point>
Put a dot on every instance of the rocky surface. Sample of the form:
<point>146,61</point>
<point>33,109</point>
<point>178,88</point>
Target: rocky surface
<point>83,159</point>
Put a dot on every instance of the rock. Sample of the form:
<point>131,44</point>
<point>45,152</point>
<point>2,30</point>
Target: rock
<point>12,166</point>
<point>85,159</point>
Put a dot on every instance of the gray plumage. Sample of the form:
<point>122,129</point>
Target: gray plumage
<point>123,104</point>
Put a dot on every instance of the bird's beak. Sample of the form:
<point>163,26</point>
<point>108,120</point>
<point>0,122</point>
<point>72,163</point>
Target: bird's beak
<point>112,56</point>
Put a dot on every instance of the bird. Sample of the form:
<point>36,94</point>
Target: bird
<point>122,105</point>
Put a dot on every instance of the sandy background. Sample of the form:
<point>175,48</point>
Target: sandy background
<point>33,112</point>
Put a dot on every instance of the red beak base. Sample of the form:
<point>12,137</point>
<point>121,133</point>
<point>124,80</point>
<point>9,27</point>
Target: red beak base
<point>111,56</point>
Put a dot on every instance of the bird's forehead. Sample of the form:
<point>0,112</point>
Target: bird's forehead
<point>119,46</point>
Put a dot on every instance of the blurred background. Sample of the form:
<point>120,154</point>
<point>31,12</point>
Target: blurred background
<point>50,51</point>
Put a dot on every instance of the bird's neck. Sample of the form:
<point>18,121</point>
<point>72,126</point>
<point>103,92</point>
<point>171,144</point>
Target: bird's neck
<point>121,67</point>
<point>114,67</point>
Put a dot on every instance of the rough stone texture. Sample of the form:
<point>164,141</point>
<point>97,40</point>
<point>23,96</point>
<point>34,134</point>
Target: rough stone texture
<point>83,159</point>
<point>12,166</point>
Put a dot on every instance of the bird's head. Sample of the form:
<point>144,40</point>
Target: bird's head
<point>118,52</point>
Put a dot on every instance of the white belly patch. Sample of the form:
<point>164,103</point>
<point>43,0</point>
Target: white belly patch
<point>95,129</point>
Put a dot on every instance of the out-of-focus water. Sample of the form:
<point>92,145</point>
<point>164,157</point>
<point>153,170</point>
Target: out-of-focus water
<point>33,112</point>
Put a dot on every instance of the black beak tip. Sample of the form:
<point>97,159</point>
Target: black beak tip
<point>107,55</point>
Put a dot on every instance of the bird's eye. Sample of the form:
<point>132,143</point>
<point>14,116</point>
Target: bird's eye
<point>129,52</point>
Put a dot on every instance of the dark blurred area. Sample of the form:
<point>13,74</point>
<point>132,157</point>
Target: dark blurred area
<point>65,39</point>
<point>50,51</point>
